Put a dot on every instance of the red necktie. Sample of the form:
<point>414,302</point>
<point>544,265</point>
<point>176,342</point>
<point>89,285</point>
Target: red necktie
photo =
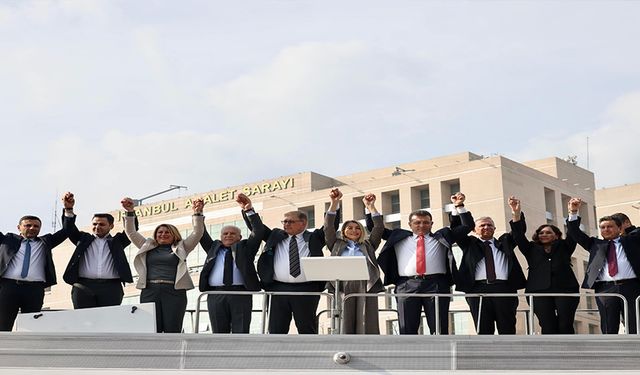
<point>421,266</point>
<point>612,260</point>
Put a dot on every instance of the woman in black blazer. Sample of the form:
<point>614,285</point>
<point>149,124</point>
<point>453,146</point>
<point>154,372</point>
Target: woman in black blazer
<point>549,258</point>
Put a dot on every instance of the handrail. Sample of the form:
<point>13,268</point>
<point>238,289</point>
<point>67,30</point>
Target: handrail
<point>437,296</point>
<point>335,313</point>
<point>266,296</point>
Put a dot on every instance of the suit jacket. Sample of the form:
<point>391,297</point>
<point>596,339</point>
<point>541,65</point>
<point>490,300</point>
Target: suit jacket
<point>388,260</point>
<point>181,249</point>
<point>547,272</point>
<point>10,244</point>
<point>244,254</point>
<point>597,249</point>
<point>83,240</point>
<point>368,248</point>
<point>473,252</point>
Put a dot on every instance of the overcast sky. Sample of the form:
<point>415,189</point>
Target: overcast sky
<point>123,98</point>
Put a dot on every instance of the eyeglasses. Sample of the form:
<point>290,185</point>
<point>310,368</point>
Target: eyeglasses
<point>285,222</point>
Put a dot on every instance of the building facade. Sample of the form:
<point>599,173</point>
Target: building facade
<point>544,186</point>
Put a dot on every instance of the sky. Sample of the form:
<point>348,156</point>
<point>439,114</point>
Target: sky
<point>123,98</point>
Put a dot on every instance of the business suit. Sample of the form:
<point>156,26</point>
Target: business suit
<point>360,314</point>
<point>500,311</point>
<point>610,308</point>
<point>302,308</point>
<point>409,309</point>
<point>89,292</point>
<point>232,313</point>
<point>170,299</point>
<point>549,272</point>
<point>26,296</point>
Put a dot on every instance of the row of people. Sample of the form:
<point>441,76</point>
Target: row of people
<point>415,261</point>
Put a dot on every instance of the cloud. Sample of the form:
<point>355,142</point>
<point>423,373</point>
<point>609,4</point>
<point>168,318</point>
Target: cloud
<point>612,143</point>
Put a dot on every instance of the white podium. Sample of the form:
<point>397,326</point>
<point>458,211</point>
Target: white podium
<point>336,269</point>
<point>140,318</point>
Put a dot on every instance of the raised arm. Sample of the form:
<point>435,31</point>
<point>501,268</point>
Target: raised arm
<point>69,218</point>
<point>330,218</point>
<point>192,240</point>
<point>375,236</point>
<point>518,226</point>
<point>130,223</point>
<point>573,225</point>
<point>461,219</point>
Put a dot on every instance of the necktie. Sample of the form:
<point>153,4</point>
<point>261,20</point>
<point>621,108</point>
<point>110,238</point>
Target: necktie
<point>294,257</point>
<point>227,276</point>
<point>612,259</point>
<point>421,266</point>
<point>490,267</point>
<point>27,260</point>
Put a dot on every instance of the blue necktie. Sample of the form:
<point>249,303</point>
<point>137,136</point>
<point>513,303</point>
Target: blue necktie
<point>27,260</point>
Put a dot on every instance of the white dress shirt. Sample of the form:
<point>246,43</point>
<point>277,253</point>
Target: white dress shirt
<point>97,262</point>
<point>435,259</point>
<point>216,277</point>
<point>499,261</point>
<point>281,260</point>
<point>37,262</point>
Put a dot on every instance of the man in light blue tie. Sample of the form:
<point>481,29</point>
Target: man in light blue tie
<point>26,269</point>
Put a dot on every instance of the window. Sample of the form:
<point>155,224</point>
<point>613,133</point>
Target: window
<point>395,203</point>
<point>425,200</point>
<point>310,211</point>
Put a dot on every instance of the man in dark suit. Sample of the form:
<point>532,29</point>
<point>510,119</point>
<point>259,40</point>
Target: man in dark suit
<point>614,266</point>
<point>280,270</point>
<point>98,267</point>
<point>490,265</point>
<point>26,266</point>
<point>627,228</point>
<point>419,261</point>
<point>229,267</point>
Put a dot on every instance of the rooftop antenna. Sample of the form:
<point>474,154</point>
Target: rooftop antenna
<point>54,219</point>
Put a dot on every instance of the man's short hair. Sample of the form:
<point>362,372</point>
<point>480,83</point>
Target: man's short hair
<point>484,218</point>
<point>109,217</point>
<point>611,218</point>
<point>421,213</point>
<point>622,217</point>
<point>29,217</point>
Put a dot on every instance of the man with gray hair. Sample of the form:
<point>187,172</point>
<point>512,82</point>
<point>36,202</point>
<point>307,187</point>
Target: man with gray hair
<point>229,267</point>
<point>489,265</point>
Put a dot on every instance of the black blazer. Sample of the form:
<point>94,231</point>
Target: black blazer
<point>388,260</point>
<point>274,236</point>
<point>244,255</point>
<point>597,249</point>
<point>547,272</point>
<point>473,252</point>
<point>10,244</point>
<point>83,240</point>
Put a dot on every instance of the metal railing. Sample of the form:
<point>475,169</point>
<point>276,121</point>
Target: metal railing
<point>531,315</point>
<point>266,301</point>
<point>337,306</point>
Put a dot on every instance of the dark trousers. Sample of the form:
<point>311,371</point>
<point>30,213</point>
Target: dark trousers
<point>410,308</point>
<point>302,308</point>
<point>18,295</point>
<point>96,293</point>
<point>611,308</point>
<point>171,304</point>
<point>496,312</point>
<point>229,313</point>
<point>556,314</point>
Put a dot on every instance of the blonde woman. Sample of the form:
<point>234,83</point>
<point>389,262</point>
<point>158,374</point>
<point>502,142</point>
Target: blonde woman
<point>360,314</point>
<point>161,263</point>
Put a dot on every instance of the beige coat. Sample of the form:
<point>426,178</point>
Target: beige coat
<point>181,249</point>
